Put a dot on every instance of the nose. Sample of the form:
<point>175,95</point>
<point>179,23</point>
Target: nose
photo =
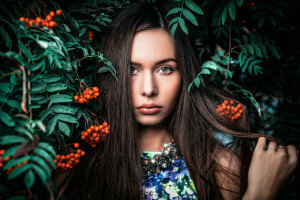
<point>149,86</point>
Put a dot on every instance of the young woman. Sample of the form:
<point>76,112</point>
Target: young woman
<point>161,144</point>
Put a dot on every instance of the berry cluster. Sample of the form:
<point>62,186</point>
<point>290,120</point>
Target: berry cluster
<point>88,94</point>
<point>91,34</point>
<point>65,162</point>
<point>95,134</point>
<point>43,22</point>
<point>3,161</point>
<point>229,110</point>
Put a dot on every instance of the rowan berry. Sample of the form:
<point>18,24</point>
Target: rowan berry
<point>58,12</point>
<point>76,97</point>
<point>231,102</point>
<point>38,20</point>
<point>76,145</point>
<point>105,124</point>
<point>81,100</point>
<point>52,24</point>
<point>52,14</point>
<point>22,19</point>
<point>95,89</point>
<point>48,18</point>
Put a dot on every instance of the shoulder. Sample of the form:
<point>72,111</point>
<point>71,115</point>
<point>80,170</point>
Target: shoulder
<point>227,172</point>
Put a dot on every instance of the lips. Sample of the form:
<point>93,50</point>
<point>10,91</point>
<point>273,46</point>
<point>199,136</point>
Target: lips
<point>149,109</point>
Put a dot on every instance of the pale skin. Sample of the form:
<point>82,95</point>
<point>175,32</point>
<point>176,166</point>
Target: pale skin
<point>156,79</point>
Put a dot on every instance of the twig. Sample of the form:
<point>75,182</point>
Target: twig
<point>13,72</point>
<point>23,104</point>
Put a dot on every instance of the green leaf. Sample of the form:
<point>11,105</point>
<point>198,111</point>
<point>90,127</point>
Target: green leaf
<point>38,87</point>
<point>6,119</point>
<point>45,113</point>
<point>96,28</point>
<point>183,26</point>
<point>274,51</point>
<point>16,161</point>
<point>42,163</point>
<point>68,30</point>
<point>51,78</point>
<point>174,10</point>
<point>41,174</point>
<point>46,146</point>
<point>245,39</point>
<point>223,16</point>
<point>173,21</point>
<point>60,98</point>
<point>6,38</point>
<point>54,87</point>
<point>197,82</point>
<point>82,31</point>
<point>239,3</point>
<point>231,9</point>
<point>261,21</point>
<point>205,71</point>
<point>250,49</point>
<point>43,44</point>
<point>64,109</point>
<point>24,49</point>
<point>193,6</point>
<point>188,15</point>
<point>14,104</point>
<point>173,29</point>
<point>11,151</point>
<point>258,51</point>
<point>16,172</point>
<point>66,118</point>
<point>29,179</point>
<point>37,65</point>
<point>64,128</point>
<point>45,155</point>
<point>19,129</point>
<point>51,125</point>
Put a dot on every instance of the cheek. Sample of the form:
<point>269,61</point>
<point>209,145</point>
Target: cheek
<point>172,90</point>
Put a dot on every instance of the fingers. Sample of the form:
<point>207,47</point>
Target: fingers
<point>261,144</point>
<point>272,146</point>
<point>292,155</point>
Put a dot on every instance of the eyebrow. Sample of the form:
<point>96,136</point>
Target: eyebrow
<point>156,63</point>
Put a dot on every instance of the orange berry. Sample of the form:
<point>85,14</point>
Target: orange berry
<point>241,110</point>
<point>76,145</point>
<point>97,129</point>
<point>52,23</point>
<point>62,157</point>
<point>48,18</point>
<point>22,19</point>
<point>58,12</point>
<point>225,101</point>
<point>239,106</point>
<point>91,92</point>
<point>76,97</point>
<point>105,124</point>
<point>231,102</point>
<point>107,131</point>
<point>38,20</point>
<point>83,137</point>
<point>52,14</point>
<point>81,100</point>
<point>31,22</point>
<point>95,89</point>
<point>228,107</point>
<point>82,153</point>
<point>96,94</point>
<point>89,130</point>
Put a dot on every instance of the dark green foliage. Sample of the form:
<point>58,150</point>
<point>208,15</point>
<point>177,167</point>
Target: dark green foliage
<point>246,47</point>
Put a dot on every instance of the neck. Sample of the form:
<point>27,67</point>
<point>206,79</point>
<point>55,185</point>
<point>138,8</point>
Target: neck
<point>153,138</point>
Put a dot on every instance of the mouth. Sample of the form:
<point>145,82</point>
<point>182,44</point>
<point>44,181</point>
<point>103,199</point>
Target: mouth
<point>149,109</point>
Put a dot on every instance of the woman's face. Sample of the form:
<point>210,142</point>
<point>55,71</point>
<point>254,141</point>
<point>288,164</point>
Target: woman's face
<point>155,79</point>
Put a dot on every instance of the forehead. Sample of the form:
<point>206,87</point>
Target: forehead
<point>152,45</point>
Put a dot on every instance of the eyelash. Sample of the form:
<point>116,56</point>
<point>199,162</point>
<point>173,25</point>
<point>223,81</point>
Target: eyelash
<point>165,66</point>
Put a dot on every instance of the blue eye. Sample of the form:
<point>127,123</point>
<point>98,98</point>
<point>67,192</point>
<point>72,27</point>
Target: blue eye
<point>132,70</point>
<point>166,69</point>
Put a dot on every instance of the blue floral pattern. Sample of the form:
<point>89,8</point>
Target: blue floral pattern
<point>174,182</point>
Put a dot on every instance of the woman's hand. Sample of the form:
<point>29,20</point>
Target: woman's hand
<point>270,169</point>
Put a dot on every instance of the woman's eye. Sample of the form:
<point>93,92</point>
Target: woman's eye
<point>166,69</point>
<point>132,70</point>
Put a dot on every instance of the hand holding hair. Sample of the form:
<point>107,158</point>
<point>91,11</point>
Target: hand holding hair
<point>270,169</point>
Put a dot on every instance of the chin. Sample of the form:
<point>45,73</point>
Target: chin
<point>149,120</point>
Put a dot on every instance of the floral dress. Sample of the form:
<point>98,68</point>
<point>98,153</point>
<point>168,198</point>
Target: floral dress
<point>171,183</point>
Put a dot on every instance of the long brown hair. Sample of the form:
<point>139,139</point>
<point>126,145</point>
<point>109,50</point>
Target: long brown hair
<point>113,170</point>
